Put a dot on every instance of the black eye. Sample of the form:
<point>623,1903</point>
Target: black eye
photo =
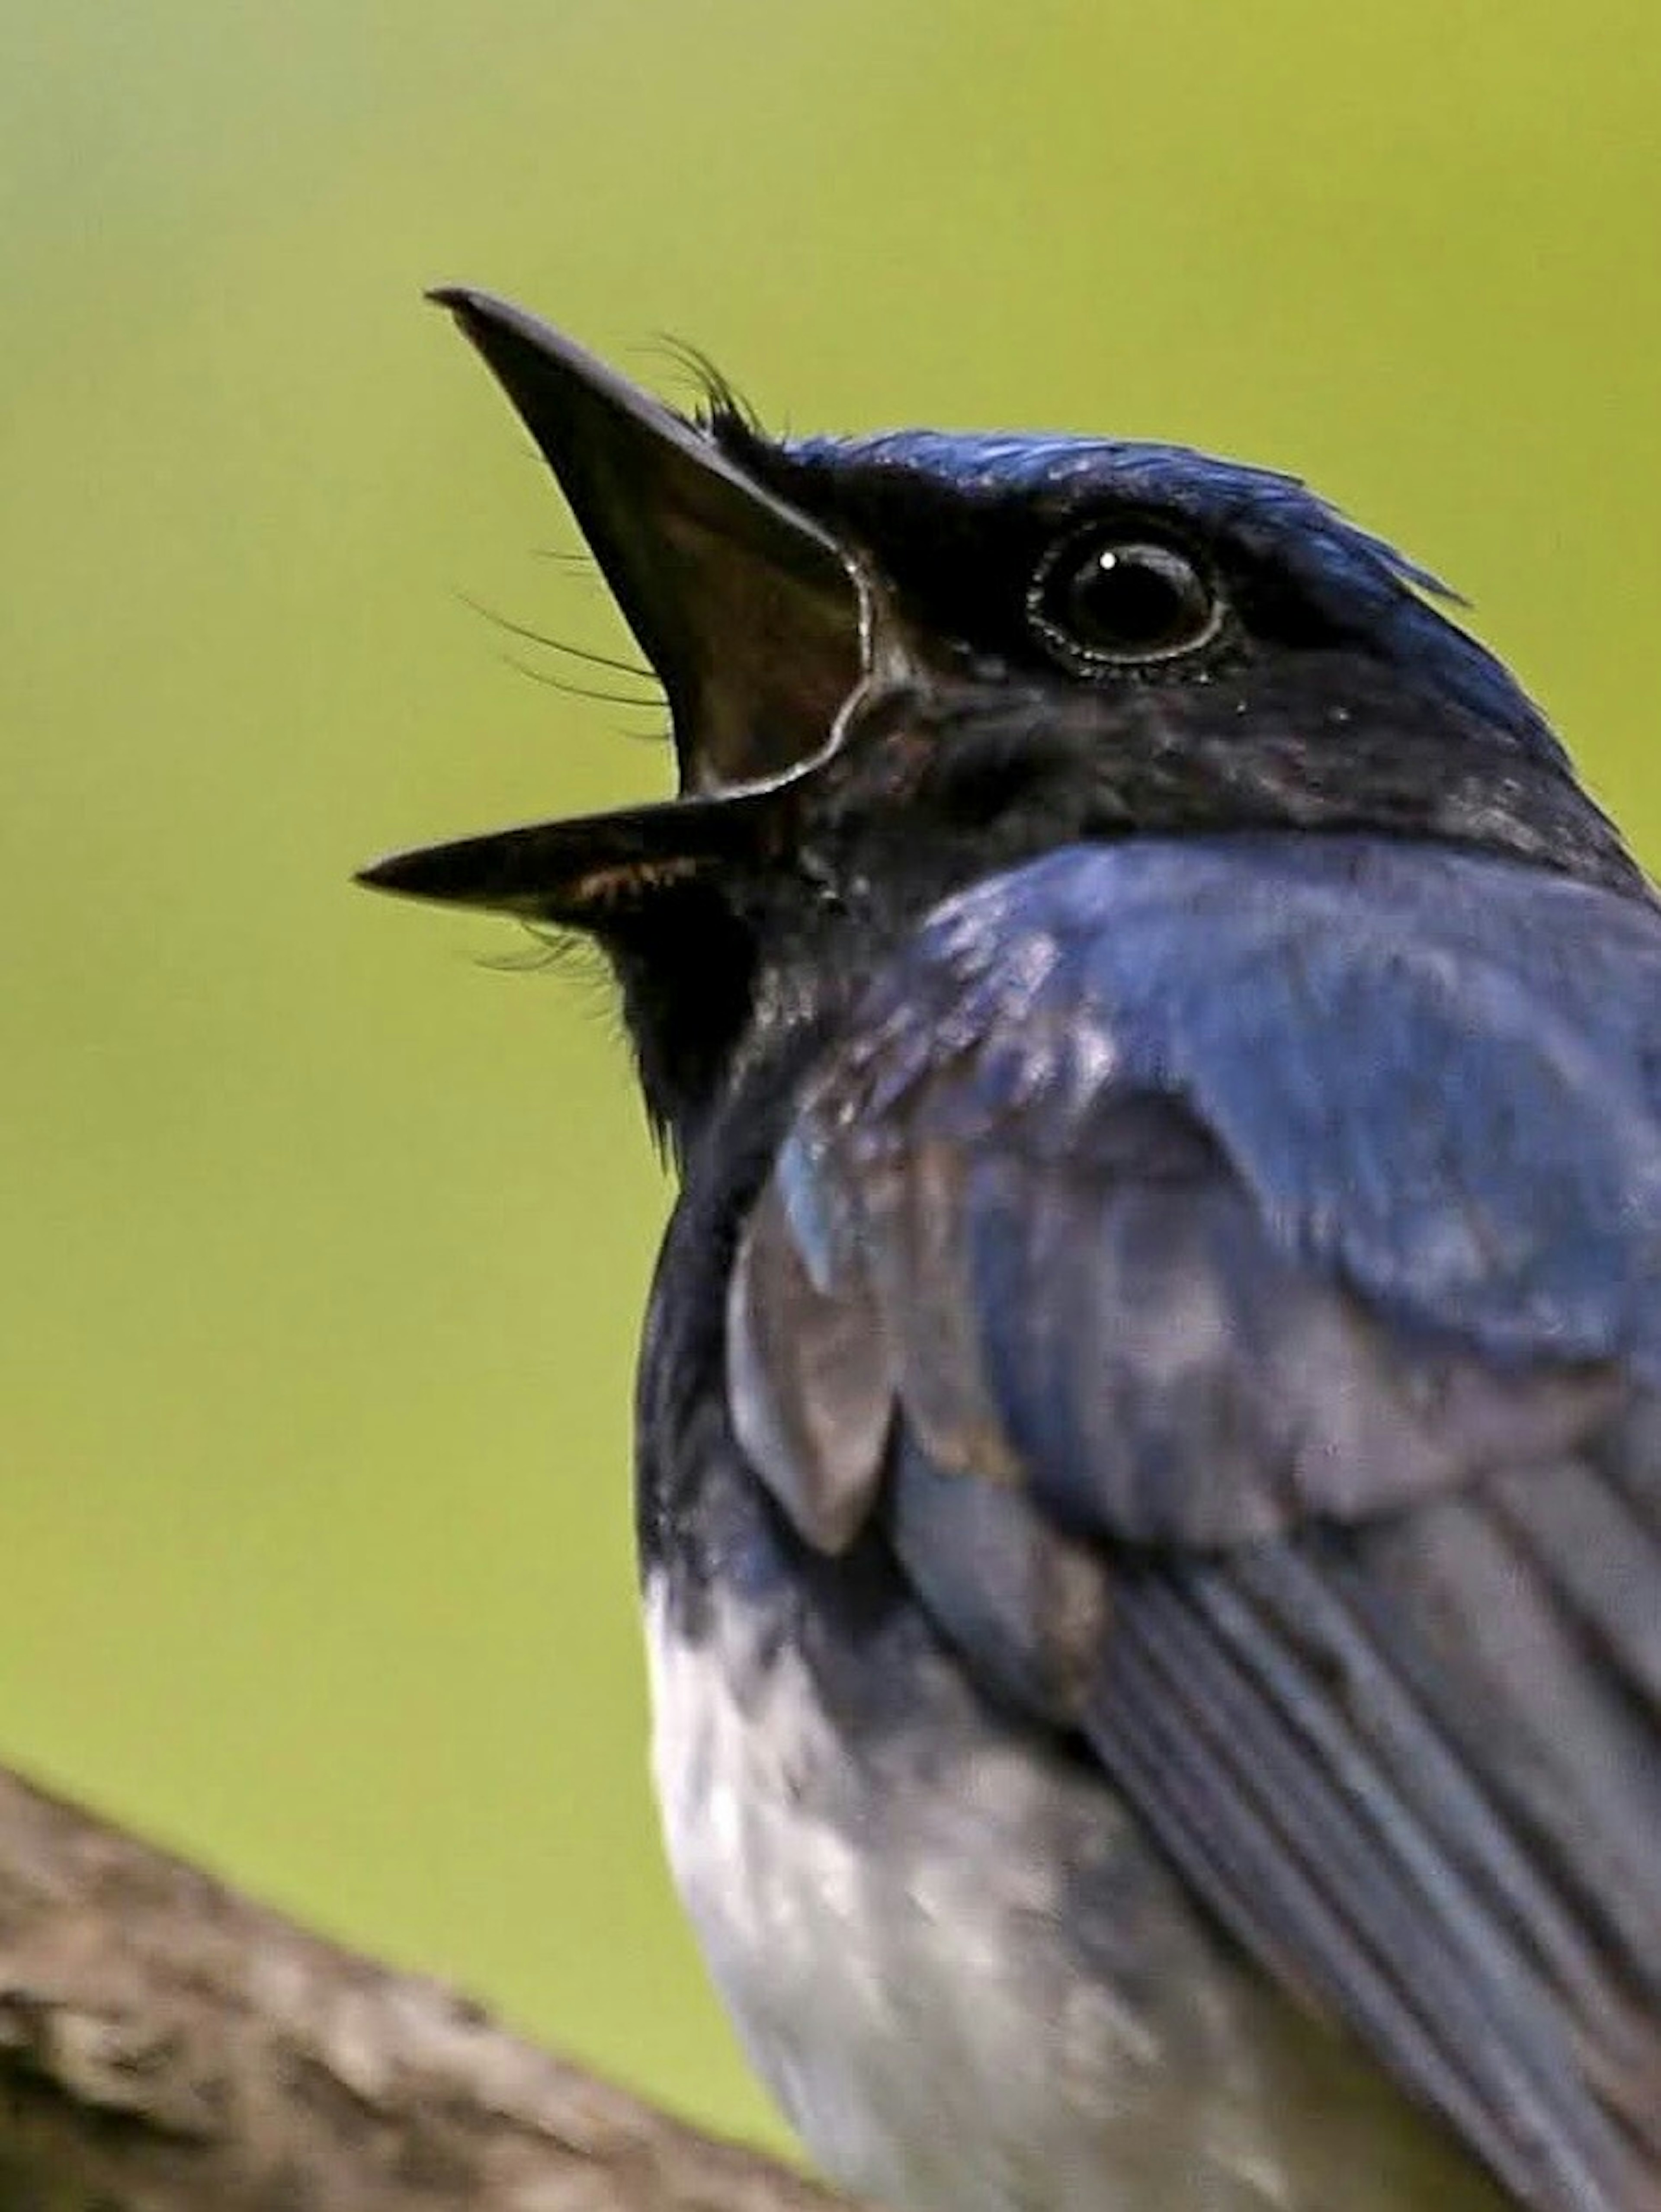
<point>1104,599</point>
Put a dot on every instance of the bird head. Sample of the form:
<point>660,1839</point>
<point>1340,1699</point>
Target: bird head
<point>897,664</point>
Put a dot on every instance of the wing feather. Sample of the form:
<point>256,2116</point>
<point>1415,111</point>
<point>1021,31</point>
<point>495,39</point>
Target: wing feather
<point>1341,1554</point>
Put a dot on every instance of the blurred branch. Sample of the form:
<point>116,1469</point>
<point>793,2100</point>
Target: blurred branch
<point>167,2045</point>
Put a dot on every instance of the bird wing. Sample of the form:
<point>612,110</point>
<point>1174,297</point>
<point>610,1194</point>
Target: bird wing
<point>1230,1273</point>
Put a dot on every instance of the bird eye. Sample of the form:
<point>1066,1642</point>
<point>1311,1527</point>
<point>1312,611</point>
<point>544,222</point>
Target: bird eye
<point>1110,601</point>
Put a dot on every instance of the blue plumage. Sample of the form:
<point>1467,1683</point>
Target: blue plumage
<point>1149,1468</point>
<point>1356,582</point>
<point>1439,1075</point>
<point>1203,1200</point>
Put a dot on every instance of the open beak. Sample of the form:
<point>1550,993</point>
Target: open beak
<point>756,622</point>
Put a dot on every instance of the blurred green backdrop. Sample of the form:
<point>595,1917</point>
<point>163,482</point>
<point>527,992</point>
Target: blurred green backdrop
<point>325,1238</point>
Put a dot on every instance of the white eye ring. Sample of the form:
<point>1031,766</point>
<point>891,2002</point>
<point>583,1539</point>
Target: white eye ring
<point>1103,599</point>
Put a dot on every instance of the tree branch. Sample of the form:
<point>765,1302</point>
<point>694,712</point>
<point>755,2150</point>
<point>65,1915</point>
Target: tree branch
<point>167,2045</point>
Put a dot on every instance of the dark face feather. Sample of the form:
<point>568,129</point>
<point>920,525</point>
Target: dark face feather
<point>1192,1330</point>
<point>896,665</point>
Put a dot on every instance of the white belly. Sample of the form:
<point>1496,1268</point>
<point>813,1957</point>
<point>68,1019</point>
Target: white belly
<point>905,1986</point>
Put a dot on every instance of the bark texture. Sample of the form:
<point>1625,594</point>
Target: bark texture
<point>169,2045</point>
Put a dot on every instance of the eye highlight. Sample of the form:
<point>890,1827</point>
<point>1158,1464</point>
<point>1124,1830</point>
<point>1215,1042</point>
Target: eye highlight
<point>1105,599</point>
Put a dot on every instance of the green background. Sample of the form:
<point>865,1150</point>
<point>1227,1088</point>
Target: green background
<point>326,1225</point>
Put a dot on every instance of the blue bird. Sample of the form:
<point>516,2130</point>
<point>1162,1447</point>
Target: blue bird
<point>1149,1422</point>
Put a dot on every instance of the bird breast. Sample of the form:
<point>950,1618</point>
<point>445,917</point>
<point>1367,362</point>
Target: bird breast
<point>956,1962</point>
